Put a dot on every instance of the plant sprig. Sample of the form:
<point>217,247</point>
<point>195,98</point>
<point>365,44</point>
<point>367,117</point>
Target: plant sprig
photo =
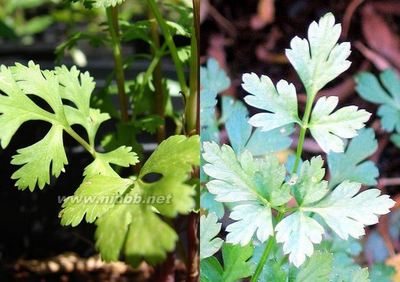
<point>289,209</point>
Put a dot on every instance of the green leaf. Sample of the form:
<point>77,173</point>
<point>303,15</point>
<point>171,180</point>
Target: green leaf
<point>135,227</point>
<point>280,102</point>
<point>382,273</point>
<point>255,185</point>
<point>46,157</point>
<point>136,230</point>
<point>351,164</point>
<point>317,268</point>
<point>236,265</point>
<point>384,92</point>
<point>342,210</point>
<point>38,159</point>
<point>208,202</point>
<point>236,262</point>
<point>273,271</point>
<point>243,137</point>
<point>123,156</point>
<point>319,59</point>
<point>209,228</point>
<point>298,232</point>
<point>36,25</point>
<point>347,213</point>
<point>395,138</point>
<point>309,187</point>
<point>211,270</point>
<point>213,81</point>
<point>346,270</point>
<point>107,3</point>
<point>94,197</point>
<point>328,128</point>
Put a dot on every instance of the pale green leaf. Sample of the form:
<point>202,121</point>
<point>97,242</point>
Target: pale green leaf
<point>309,187</point>
<point>319,59</point>
<point>328,127</point>
<point>255,185</point>
<point>107,3</point>
<point>298,232</point>
<point>347,213</point>
<point>209,229</point>
<point>280,102</point>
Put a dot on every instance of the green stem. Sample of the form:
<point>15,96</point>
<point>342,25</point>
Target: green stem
<point>303,129</point>
<point>81,141</point>
<point>171,45</point>
<point>113,25</point>
<point>157,77</point>
<point>192,102</point>
<point>267,251</point>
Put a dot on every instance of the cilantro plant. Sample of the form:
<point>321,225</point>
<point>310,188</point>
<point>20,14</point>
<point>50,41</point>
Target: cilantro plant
<point>134,213</point>
<point>288,221</point>
<point>383,91</point>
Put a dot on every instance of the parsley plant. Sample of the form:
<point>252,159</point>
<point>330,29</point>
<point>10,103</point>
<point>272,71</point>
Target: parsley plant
<point>288,223</point>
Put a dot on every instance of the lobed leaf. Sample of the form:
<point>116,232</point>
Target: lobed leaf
<point>37,159</point>
<point>280,102</point>
<point>319,59</point>
<point>298,232</point>
<point>243,137</point>
<point>384,92</point>
<point>328,127</point>
<point>309,186</point>
<point>255,185</point>
<point>47,157</point>
<point>317,268</point>
<point>122,156</point>
<point>129,228</point>
<point>94,197</point>
<point>209,229</point>
<point>351,164</point>
<point>347,213</point>
<point>236,265</point>
<point>213,81</point>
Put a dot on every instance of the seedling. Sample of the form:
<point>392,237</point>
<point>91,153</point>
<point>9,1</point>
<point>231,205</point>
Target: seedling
<point>134,213</point>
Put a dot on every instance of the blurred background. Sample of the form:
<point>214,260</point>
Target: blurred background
<point>252,36</point>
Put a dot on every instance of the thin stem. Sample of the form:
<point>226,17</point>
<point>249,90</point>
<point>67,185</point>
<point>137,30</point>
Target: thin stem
<point>303,129</point>
<point>113,25</point>
<point>193,245</point>
<point>171,45</point>
<point>191,110</point>
<point>81,141</point>
<point>157,78</point>
<point>267,251</point>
